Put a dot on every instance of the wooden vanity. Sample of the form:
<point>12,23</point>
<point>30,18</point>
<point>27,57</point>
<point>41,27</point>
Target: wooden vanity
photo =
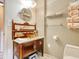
<point>27,48</point>
<point>23,45</point>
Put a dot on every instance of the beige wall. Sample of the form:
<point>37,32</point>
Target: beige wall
<point>40,10</point>
<point>40,17</point>
<point>65,35</point>
<point>1,17</point>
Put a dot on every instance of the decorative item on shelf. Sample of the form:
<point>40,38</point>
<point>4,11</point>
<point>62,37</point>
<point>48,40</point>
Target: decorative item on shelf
<point>31,34</point>
<point>25,14</point>
<point>73,16</point>
<point>34,56</point>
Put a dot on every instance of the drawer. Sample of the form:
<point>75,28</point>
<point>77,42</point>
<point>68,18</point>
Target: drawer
<point>39,44</point>
<point>28,44</point>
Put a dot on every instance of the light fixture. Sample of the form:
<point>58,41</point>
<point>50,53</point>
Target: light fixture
<point>28,3</point>
<point>1,4</point>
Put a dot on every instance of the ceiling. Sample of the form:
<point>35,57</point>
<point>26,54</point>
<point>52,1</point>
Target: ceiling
<point>2,0</point>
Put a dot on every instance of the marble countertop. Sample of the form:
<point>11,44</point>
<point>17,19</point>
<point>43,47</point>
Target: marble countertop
<point>25,40</point>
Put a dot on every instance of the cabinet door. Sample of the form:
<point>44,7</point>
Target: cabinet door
<point>39,44</point>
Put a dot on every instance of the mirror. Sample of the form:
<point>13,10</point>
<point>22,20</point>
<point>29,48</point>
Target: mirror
<point>25,14</point>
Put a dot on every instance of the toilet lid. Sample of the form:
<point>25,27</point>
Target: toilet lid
<point>70,57</point>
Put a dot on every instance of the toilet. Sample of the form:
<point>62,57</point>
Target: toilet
<point>71,52</point>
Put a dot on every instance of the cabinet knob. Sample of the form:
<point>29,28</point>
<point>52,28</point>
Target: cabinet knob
<point>40,42</point>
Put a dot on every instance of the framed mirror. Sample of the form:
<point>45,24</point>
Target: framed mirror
<point>25,14</point>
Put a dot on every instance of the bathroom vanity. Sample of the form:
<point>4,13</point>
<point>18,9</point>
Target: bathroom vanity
<point>26,40</point>
<point>26,46</point>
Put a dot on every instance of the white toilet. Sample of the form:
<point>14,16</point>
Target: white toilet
<point>71,52</point>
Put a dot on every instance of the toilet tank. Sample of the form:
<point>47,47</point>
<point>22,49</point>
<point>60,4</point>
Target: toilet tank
<point>71,51</point>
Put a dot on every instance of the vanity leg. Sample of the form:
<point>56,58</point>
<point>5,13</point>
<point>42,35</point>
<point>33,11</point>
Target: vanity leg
<point>13,50</point>
<point>20,52</point>
<point>42,52</point>
<point>43,47</point>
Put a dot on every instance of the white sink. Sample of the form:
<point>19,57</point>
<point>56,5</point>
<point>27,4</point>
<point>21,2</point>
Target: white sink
<point>25,40</point>
<point>22,40</point>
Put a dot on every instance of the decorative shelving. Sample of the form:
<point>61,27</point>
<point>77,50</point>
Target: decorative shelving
<point>23,30</point>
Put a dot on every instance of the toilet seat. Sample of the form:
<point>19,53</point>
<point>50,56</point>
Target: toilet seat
<point>71,52</point>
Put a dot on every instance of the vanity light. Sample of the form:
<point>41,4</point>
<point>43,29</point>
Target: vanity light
<point>1,4</point>
<point>28,3</point>
<point>34,4</point>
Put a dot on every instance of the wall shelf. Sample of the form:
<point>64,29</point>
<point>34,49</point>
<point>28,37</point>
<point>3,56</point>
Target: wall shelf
<point>55,15</point>
<point>23,30</point>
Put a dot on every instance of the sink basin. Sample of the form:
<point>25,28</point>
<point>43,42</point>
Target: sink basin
<point>22,40</point>
<point>25,40</point>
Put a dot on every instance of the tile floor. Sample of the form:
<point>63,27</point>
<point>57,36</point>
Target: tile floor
<point>46,56</point>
